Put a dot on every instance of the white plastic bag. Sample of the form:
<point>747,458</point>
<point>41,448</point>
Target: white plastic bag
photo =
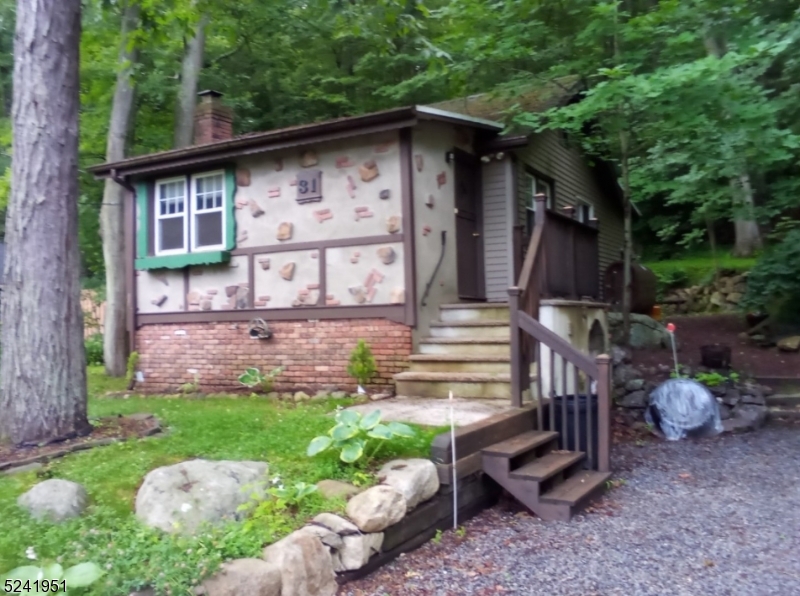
<point>682,408</point>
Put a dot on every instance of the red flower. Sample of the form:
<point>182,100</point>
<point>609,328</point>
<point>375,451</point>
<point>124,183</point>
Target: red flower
<point>671,327</point>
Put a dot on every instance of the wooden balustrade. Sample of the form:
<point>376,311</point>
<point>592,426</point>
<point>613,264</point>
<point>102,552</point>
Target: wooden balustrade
<point>573,272</point>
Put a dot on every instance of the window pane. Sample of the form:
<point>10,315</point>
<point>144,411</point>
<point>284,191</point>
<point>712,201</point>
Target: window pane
<point>209,229</point>
<point>208,192</point>
<point>171,233</point>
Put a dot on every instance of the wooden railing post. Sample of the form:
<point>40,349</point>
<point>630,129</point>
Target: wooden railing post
<point>516,353</point>
<point>603,413</point>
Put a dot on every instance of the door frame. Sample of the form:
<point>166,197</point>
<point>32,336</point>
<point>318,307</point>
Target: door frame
<point>474,164</point>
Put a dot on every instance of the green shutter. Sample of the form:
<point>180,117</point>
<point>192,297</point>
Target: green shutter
<point>230,198</point>
<point>143,220</point>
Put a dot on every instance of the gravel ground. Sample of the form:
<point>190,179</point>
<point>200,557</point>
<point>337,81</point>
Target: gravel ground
<point>713,517</point>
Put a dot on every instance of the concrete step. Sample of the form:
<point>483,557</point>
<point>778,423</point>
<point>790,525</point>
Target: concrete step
<point>464,385</point>
<point>478,311</point>
<point>480,328</point>
<point>486,346</point>
<point>459,363</point>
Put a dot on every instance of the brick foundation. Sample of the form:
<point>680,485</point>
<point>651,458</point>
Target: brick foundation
<point>314,354</point>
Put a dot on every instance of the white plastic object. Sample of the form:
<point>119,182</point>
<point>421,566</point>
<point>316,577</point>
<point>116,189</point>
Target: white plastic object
<point>682,408</point>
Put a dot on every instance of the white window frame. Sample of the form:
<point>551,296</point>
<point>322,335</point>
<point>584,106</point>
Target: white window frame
<point>194,211</point>
<point>580,203</point>
<point>159,217</point>
<point>534,182</point>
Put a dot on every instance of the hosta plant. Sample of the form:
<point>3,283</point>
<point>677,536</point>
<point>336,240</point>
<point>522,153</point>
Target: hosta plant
<point>50,579</point>
<point>255,379</point>
<point>352,433</point>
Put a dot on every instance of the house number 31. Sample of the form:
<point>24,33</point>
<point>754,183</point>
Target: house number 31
<point>309,186</point>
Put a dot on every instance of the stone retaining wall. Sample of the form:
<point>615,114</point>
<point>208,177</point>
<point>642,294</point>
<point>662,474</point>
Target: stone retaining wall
<point>722,295</point>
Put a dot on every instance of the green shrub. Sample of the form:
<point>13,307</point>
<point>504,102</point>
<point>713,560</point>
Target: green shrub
<point>94,349</point>
<point>254,378</point>
<point>362,365</point>
<point>774,283</point>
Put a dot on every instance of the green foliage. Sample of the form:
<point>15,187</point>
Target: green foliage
<point>362,365</point>
<point>696,267</point>
<point>217,428</point>
<point>130,369</point>
<point>773,285</point>
<point>192,386</point>
<point>78,576</point>
<point>352,433</point>
<point>254,378</point>
<point>94,349</point>
<point>715,379</point>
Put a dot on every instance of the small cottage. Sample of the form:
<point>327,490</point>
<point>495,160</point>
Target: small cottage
<point>404,228</point>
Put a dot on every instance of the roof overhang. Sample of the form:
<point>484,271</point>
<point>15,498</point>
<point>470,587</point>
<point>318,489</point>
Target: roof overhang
<point>296,136</point>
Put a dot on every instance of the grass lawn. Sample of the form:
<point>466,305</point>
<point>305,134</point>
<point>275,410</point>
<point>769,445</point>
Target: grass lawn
<point>214,428</point>
<point>697,267</point>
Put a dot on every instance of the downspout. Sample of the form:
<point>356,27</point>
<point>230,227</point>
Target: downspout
<point>435,271</point>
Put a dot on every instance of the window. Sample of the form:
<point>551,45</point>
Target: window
<point>171,216</point>
<point>537,184</point>
<point>192,223</point>
<point>585,212</point>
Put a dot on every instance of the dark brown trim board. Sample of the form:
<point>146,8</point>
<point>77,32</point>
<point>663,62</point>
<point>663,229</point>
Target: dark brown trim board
<point>318,244</point>
<point>392,312</point>
<point>409,250</point>
<point>129,214</point>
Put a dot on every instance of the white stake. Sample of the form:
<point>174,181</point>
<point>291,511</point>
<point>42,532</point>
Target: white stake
<point>455,478</point>
<point>671,329</point>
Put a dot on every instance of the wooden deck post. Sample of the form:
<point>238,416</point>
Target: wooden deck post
<point>516,353</point>
<point>604,413</point>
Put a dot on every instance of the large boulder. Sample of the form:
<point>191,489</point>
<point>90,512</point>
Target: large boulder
<point>415,479</point>
<point>357,550</point>
<point>646,332</point>
<point>336,489</point>
<point>377,508</point>
<point>180,498</point>
<point>55,500</point>
<point>336,524</point>
<point>253,577</point>
<point>305,563</point>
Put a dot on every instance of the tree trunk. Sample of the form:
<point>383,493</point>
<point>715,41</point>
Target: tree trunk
<point>628,241</point>
<point>187,95</point>
<point>748,236</point>
<point>115,341</point>
<point>43,365</point>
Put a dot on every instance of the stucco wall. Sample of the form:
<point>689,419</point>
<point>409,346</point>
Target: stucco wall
<point>434,212</point>
<point>361,197</point>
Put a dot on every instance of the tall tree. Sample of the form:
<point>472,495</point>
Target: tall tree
<point>43,365</point>
<point>190,76</point>
<point>112,213</point>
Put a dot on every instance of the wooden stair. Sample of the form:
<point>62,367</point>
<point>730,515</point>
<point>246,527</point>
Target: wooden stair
<point>550,482</point>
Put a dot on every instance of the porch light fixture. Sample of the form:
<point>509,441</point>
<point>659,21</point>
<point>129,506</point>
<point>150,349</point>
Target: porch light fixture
<point>486,159</point>
<point>449,157</point>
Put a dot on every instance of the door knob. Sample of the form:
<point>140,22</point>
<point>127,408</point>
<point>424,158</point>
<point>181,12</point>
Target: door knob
<point>476,234</point>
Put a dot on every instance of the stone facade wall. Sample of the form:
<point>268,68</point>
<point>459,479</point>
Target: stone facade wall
<point>314,354</point>
<point>722,295</point>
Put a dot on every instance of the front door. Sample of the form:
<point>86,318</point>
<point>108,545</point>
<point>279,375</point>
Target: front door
<point>469,243</point>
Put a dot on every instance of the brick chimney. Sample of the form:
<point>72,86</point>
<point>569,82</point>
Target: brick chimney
<point>213,121</point>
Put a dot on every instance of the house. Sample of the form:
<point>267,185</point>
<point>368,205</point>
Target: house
<point>404,227</point>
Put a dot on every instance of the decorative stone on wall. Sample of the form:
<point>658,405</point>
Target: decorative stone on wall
<point>159,291</point>
<point>350,171</point>
<point>368,171</point>
<point>358,275</point>
<point>285,231</point>
<point>242,177</point>
<point>441,179</point>
<point>220,287</point>
<point>290,280</point>
<point>393,225</point>
<point>419,161</point>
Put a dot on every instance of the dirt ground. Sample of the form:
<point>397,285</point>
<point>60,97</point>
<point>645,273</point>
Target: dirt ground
<point>695,331</point>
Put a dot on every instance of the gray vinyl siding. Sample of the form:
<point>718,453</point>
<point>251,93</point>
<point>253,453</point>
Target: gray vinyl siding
<point>549,154</point>
<point>496,230</point>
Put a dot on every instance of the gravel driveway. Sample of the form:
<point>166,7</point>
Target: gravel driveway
<point>714,517</point>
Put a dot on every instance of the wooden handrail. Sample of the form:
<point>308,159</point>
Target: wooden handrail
<point>534,246</point>
<point>558,344</point>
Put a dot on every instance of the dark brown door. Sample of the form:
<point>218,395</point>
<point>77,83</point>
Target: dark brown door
<point>469,241</point>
